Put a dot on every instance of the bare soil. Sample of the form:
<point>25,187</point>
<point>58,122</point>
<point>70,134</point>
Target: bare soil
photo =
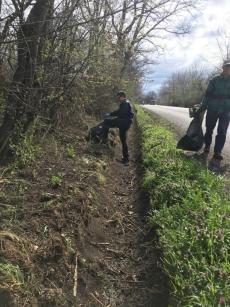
<point>84,242</point>
<point>130,261</point>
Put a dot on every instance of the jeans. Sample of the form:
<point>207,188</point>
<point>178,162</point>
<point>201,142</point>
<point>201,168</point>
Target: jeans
<point>123,126</point>
<point>211,119</point>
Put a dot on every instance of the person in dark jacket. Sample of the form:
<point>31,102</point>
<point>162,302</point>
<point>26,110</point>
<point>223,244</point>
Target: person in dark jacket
<point>122,120</point>
<point>217,103</point>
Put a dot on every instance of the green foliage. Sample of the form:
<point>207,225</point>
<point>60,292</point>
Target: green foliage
<point>101,179</point>
<point>24,149</point>
<point>56,180</point>
<point>12,274</point>
<point>70,151</point>
<point>191,211</point>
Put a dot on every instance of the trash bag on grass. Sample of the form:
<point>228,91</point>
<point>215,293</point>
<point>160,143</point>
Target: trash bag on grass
<point>97,134</point>
<point>100,134</point>
<point>194,138</point>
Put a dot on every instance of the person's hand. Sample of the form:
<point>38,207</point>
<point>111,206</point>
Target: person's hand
<point>105,115</point>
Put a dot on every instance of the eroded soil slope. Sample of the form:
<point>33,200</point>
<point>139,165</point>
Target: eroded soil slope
<point>73,230</point>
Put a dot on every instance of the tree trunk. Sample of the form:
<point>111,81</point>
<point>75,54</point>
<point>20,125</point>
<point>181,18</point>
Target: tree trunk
<point>21,101</point>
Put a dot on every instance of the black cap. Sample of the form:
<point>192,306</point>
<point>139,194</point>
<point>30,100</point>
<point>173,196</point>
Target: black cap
<point>121,94</point>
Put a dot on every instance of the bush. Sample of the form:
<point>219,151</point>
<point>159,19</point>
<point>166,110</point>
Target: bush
<point>25,150</point>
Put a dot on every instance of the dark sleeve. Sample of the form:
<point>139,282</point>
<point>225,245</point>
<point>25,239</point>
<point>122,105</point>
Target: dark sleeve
<point>114,113</point>
<point>210,88</point>
<point>208,93</point>
<point>123,111</point>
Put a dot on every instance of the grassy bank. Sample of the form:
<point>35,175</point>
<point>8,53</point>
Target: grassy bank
<point>191,213</point>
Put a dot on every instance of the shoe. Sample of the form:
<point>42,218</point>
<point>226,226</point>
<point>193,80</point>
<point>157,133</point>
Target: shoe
<point>217,156</point>
<point>206,150</point>
<point>125,161</point>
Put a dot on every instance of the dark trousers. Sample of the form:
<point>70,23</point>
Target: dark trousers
<point>211,119</point>
<point>123,126</point>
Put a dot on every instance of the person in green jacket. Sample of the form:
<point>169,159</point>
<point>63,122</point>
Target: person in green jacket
<point>217,103</point>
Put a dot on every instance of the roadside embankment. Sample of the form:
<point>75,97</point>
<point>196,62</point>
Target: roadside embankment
<point>190,210</point>
<point>72,230</point>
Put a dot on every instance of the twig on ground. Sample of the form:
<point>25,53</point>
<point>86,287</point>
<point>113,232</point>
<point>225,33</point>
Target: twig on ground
<point>129,227</point>
<point>99,243</point>
<point>132,180</point>
<point>97,300</point>
<point>112,270</point>
<point>114,251</point>
<point>121,193</point>
<point>103,243</point>
<point>134,224</point>
<point>153,290</point>
<point>75,278</point>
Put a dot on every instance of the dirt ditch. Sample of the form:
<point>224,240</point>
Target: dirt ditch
<point>84,242</point>
<point>126,249</point>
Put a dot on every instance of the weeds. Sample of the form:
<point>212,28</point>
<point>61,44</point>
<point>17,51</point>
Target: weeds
<point>11,274</point>
<point>25,151</point>
<point>56,181</point>
<point>191,211</point>
<point>70,151</point>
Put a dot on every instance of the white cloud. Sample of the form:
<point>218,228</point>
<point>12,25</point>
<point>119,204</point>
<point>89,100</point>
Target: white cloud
<point>200,47</point>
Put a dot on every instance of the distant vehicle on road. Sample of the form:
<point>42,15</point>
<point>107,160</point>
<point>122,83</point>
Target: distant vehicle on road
<point>151,102</point>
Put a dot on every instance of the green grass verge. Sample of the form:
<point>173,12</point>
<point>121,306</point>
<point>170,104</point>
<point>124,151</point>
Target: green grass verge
<point>191,212</point>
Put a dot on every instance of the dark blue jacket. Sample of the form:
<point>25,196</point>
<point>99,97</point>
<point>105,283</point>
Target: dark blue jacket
<point>124,111</point>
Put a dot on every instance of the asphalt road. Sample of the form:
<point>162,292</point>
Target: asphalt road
<point>180,118</point>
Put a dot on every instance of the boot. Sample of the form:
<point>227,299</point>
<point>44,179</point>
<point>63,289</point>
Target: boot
<point>218,156</point>
<point>206,149</point>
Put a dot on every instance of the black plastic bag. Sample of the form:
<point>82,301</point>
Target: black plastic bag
<point>194,138</point>
<point>97,134</point>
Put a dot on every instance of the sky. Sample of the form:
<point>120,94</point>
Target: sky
<point>198,48</point>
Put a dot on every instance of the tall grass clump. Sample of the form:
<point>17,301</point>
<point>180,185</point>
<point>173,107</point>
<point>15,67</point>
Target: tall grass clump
<point>191,212</point>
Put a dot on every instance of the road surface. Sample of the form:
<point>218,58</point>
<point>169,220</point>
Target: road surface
<point>180,118</point>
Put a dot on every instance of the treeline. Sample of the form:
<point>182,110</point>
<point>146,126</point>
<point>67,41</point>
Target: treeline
<point>61,59</point>
<point>184,88</point>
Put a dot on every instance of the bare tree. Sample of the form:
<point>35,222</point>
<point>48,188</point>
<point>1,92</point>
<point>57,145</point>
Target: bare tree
<point>65,50</point>
<point>21,98</point>
<point>145,23</point>
<point>223,43</point>
<point>184,88</point>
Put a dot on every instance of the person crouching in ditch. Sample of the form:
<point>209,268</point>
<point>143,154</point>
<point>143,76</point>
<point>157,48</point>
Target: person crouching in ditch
<point>217,103</point>
<point>122,120</point>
